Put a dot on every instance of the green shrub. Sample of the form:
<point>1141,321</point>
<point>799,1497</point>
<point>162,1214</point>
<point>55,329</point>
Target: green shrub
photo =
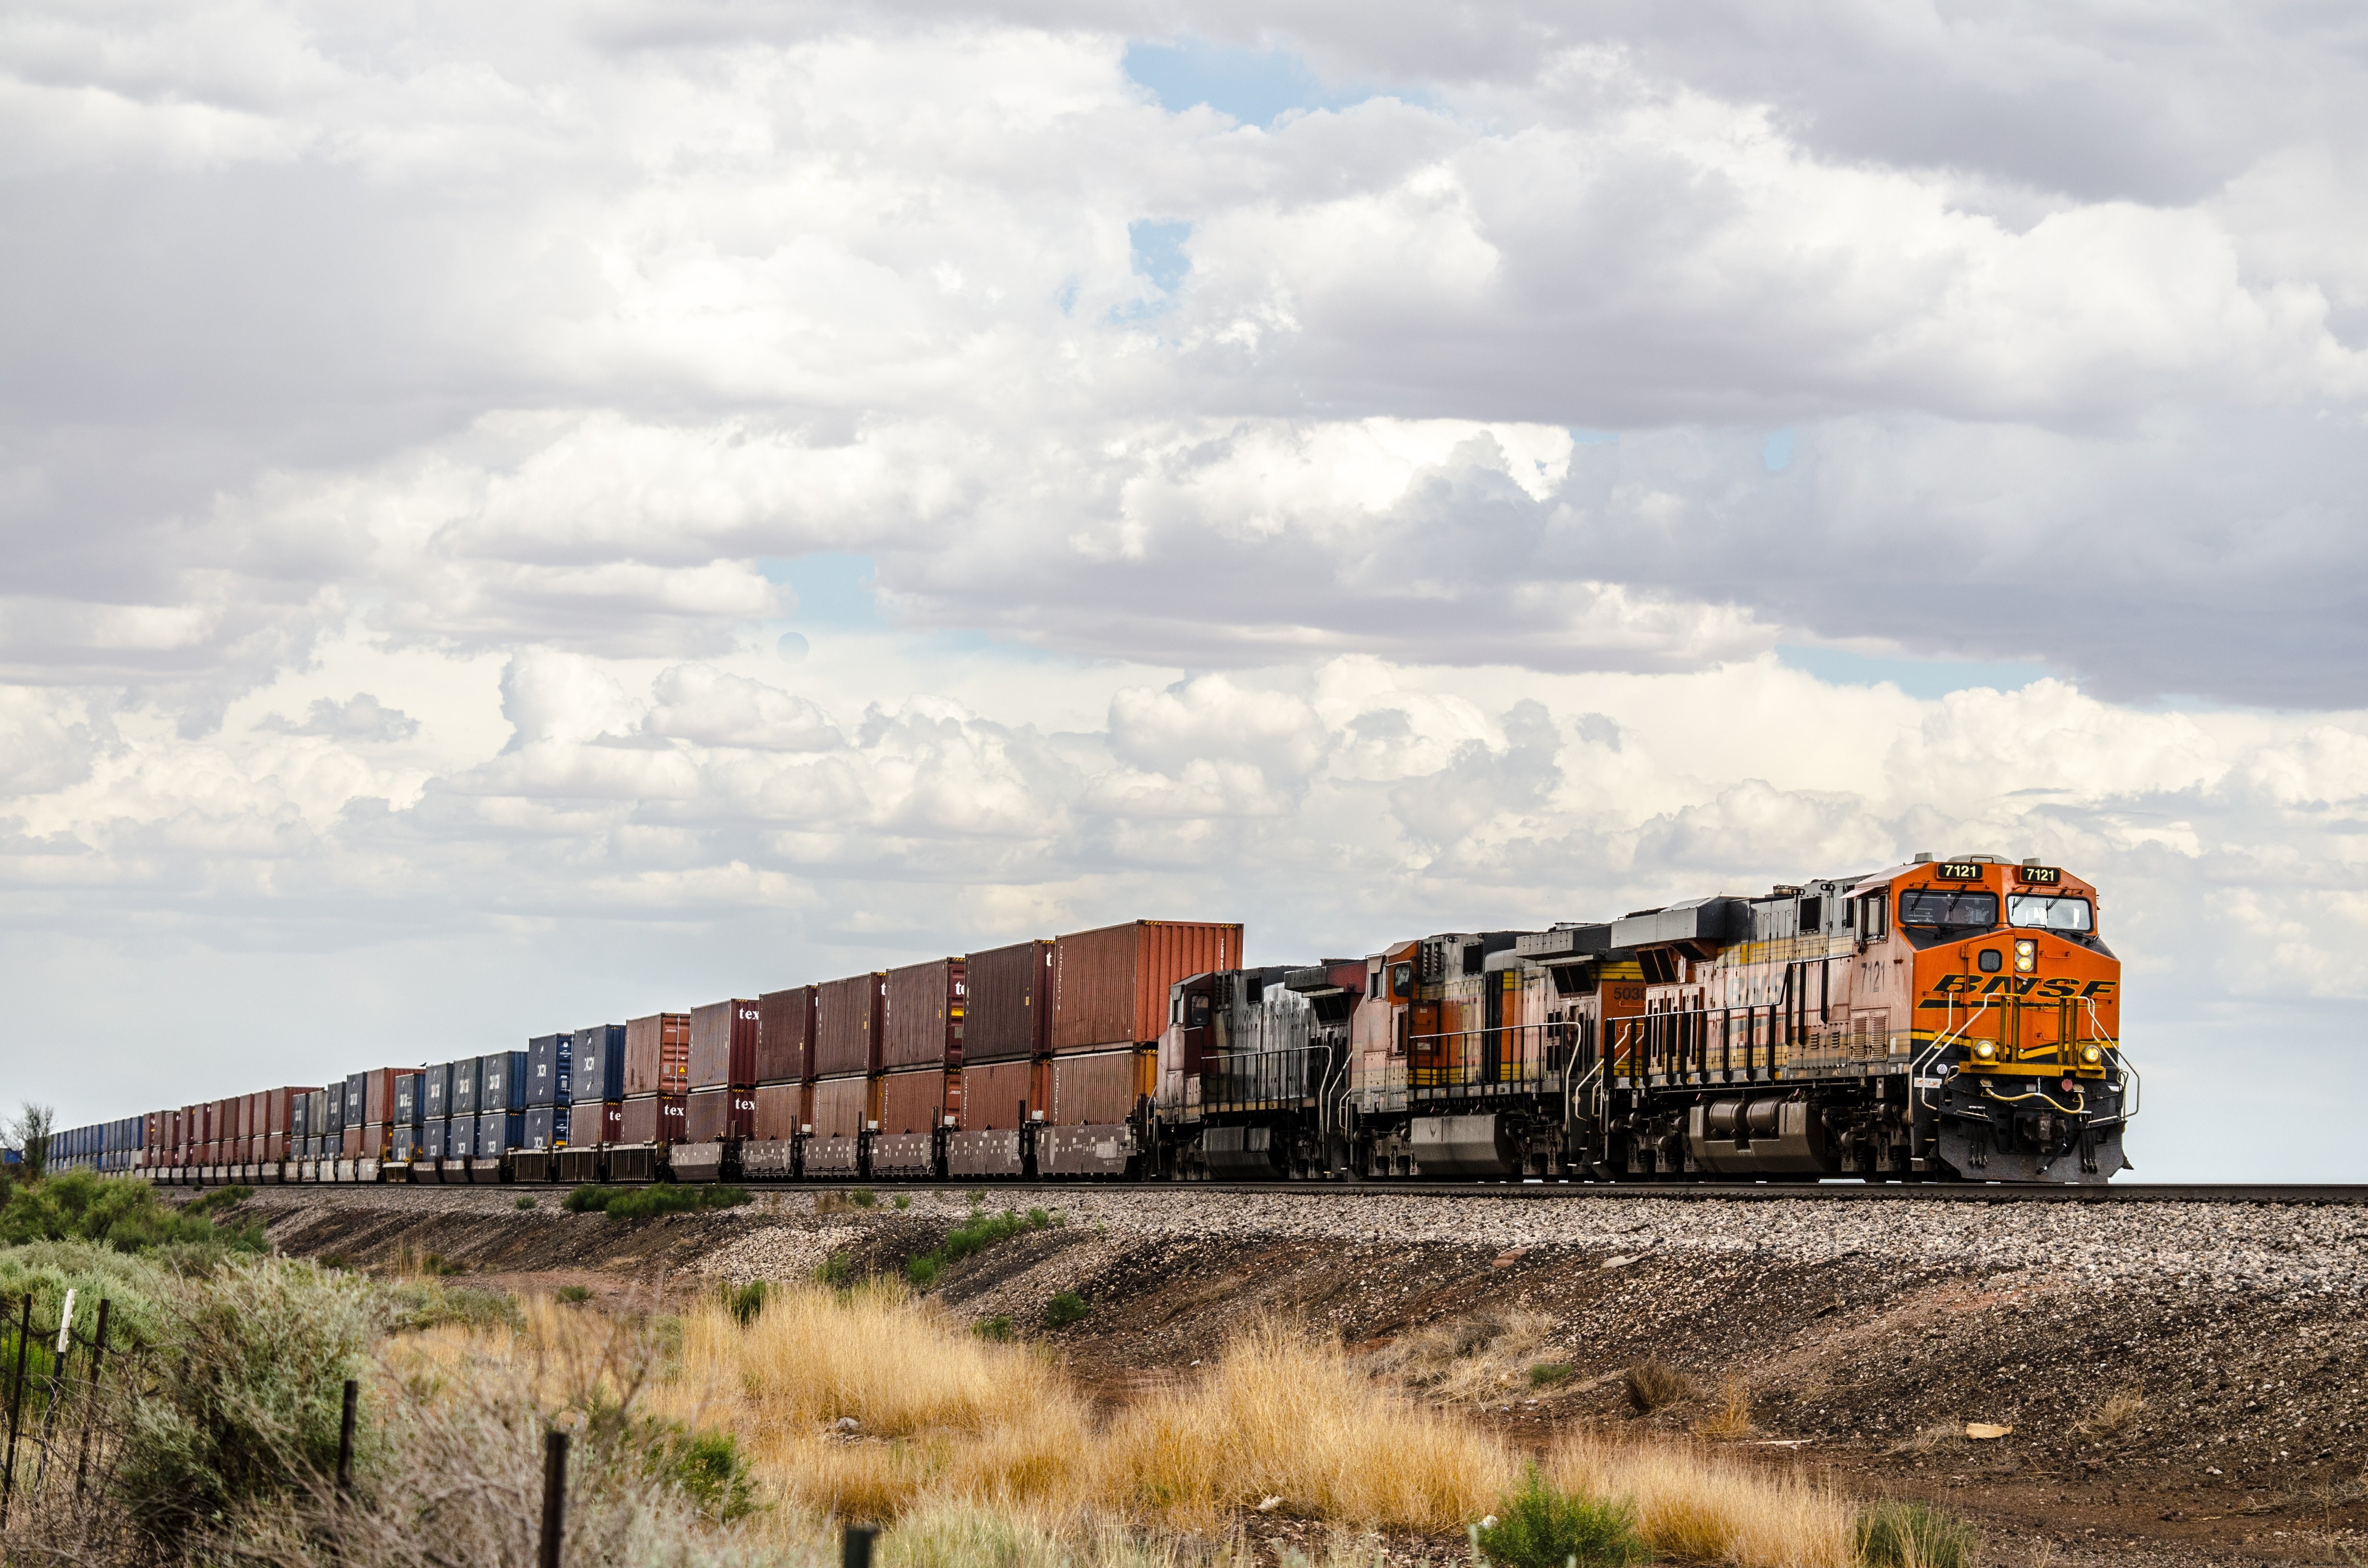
<point>838,1271</point>
<point>1545,1374</point>
<point>218,1198</point>
<point>573,1295</point>
<point>1064,1309</point>
<point>424,1303</point>
<point>525,1203</point>
<point>863,1198</point>
<point>923,1271</point>
<point>903,1200</point>
<point>973,1236</point>
<point>262,1353</point>
<point>997,1328</point>
<point>644,1202</point>
<point>706,1468</point>
<point>120,1212</point>
<point>1541,1527</point>
<point>1914,1535</point>
<point>744,1303</point>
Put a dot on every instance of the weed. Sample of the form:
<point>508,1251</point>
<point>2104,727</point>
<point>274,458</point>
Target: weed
<point>424,1303</point>
<point>525,1203</point>
<point>863,1198</point>
<point>1548,1374</point>
<point>997,1328</point>
<point>1652,1384</point>
<point>1914,1535</point>
<point>123,1213</point>
<point>644,1202</point>
<point>708,1470</point>
<point>573,1295</point>
<point>923,1271</point>
<point>439,1266</point>
<point>744,1303</point>
<point>1542,1526</point>
<point>2113,1418</point>
<point>1732,1419</point>
<point>838,1271</point>
<point>1478,1358</point>
<point>903,1200</point>
<point>218,1198</point>
<point>975,1236</point>
<point>1064,1309</point>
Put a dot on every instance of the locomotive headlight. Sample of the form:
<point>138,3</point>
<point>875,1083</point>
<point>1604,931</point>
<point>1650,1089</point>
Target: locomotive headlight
<point>1985,1050</point>
<point>2026,956</point>
<point>2091,1055</point>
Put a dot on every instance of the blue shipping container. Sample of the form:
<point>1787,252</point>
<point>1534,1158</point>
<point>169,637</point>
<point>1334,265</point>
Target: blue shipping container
<point>550,1063</point>
<point>436,1092</point>
<point>599,1064</point>
<point>499,1132</point>
<point>501,1081</point>
<point>546,1126</point>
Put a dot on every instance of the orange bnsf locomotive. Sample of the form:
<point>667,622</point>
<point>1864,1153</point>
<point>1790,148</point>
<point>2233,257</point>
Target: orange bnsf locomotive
<point>1937,1021</point>
<point>1940,1020</point>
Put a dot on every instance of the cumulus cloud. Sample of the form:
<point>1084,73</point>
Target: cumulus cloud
<point>360,718</point>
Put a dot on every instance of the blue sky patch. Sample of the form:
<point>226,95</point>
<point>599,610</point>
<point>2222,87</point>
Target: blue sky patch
<point>1776,453</point>
<point>1925,678</point>
<point>1256,87</point>
<point>834,590</point>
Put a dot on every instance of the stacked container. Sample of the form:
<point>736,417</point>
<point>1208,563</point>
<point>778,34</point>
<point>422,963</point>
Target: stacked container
<point>1110,1003</point>
<point>920,1059</point>
<point>785,1027</point>
<point>721,1104</point>
<point>550,1091</point>
<point>848,1017</point>
<point>1007,1035</point>
<point>657,1076</point>
<point>501,1104</point>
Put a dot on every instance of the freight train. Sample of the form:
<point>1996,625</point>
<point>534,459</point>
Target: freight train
<point>1940,1020</point>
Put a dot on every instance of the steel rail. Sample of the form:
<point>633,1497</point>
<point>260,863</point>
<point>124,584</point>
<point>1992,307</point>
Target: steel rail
<point>1907,1192</point>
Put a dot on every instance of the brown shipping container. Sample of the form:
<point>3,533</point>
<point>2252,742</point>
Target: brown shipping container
<point>610,1118</point>
<point>999,1095</point>
<point>378,1093</point>
<point>1109,987</point>
<point>650,1118</point>
<point>780,1110</point>
<point>1007,1005</point>
<point>841,1106</point>
<point>723,1045</point>
<point>658,1056</point>
<point>846,1025</point>
<point>784,1037</point>
<point>709,1114</point>
<point>916,1100</point>
<point>1099,1090</point>
<point>378,1138</point>
<point>924,1016</point>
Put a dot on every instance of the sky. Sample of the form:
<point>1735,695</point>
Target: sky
<point>521,516</point>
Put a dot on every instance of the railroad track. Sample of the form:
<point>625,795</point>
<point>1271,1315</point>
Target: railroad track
<point>1944,1192</point>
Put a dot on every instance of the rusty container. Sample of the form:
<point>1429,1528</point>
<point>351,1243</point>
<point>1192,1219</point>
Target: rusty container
<point>841,1106</point>
<point>918,1100</point>
<point>723,1038</point>
<point>657,1056</point>
<point>922,1019</point>
<point>848,1025</point>
<point>780,1111</point>
<point>719,1112</point>
<point>607,1120</point>
<point>1100,1089</point>
<point>1109,986</point>
<point>785,1026</point>
<point>650,1118</point>
<point>378,1094</point>
<point>1001,1096</point>
<point>1008,1002</point>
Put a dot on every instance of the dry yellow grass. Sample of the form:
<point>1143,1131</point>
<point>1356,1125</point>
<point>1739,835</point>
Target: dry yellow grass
<point>1472,1360</point>
<point>964,1438</point>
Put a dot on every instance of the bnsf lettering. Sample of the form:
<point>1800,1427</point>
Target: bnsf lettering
<point>2060,989</point>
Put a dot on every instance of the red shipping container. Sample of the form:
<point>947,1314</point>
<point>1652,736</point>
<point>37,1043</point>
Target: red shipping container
<point>1000,1095</point>
<point>658,1056</point>
<point>275,1147</point>
<point>922,1016</point>
<point>723,1045</point>
<point>709,1114</point>
<point>1007,1005</point>
<point>841,1106</point>
<point>846,1025</point>
<point>917,1101</point>
<point>650,1118</point>
<point>377,1140</point>
<point>1109,986</point>
<point>780,1110</point>
<point>1099,1090</point>
<point>785,1026</point>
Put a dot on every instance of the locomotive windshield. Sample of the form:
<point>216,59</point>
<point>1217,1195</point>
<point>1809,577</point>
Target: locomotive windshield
<point>2049,914</point>
<point>1948,906</point>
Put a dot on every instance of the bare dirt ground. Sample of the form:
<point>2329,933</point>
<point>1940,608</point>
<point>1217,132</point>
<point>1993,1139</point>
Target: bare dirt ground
<point>2183,1384</point>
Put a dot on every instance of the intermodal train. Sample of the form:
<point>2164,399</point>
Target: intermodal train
<point>1940,1020</point>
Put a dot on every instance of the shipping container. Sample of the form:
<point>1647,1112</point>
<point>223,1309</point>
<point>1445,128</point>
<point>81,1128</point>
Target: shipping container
<point>917,1099</point>
<point>464,1087</point>
<point>922,1016</point>
<point>333,1099</point>
<point>432,1138</point>
<point>1008,1002</point>
<point>723,1044</point>
<point>378,1094</point>
<point>499,1131</point>
<point>1003,1094</point>
<point>599,1072</point>
<point>713,1113</point>
<point>785,1025</point>
<point>404,1147</point>
<point>436,1091</point>
<point>650,1118</point>
<point>546,1126</point>
<point>501,1083</point>
<point>356,1099</point>
<point>376,1141</point>
<point>841,1106</point>
<point>350,1145</point>
<point>1109,986</point>
<point>300,1116</point>
<point>461,1137</point>
<point>657,1054</point>
<point>847,1024</point>
<point>406,1099</point>
<point>780,1110</point>
<point>1099,1089</point>
<point>550,1069</point>
<point>602,1123</point>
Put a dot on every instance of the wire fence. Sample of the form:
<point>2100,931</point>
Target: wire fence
<point>62,1387</point>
